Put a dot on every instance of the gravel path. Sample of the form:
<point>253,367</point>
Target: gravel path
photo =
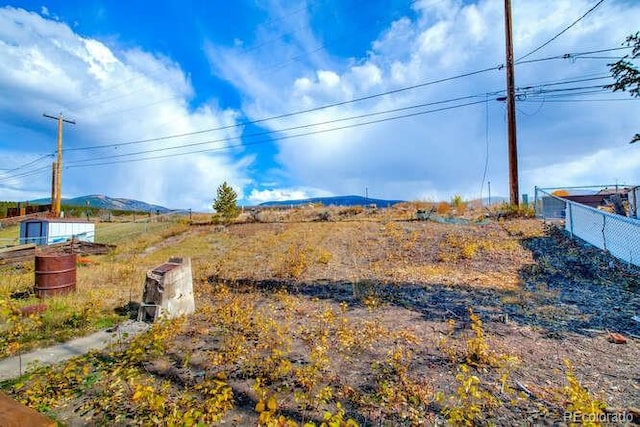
<point>13,367</point>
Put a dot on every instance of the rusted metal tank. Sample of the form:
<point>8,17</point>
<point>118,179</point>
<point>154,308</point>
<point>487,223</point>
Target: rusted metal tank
<point>55,274</point>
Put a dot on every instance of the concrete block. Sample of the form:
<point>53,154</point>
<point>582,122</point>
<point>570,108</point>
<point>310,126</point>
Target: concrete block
<point>168,291</point>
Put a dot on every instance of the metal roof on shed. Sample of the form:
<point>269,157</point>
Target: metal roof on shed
<point>61,220</point>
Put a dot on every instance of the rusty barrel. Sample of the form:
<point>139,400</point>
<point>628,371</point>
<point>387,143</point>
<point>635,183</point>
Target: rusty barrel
<point>55,274</point>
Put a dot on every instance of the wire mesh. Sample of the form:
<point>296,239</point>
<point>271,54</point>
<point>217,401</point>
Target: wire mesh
<point>617,234</point>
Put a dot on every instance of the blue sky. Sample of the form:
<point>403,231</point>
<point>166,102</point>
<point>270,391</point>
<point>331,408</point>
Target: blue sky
<point>226,76</point>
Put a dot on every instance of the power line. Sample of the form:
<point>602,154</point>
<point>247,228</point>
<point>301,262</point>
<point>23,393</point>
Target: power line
<point>561,32</point>
<point>586,100</point>
<point>537,109</point>
<point>332,105</point>
<point>28,164</point>
<point>291,114</point>
<point>569,89</point>
<point>486,137</point>
<point>309,125</point>
<point>567,95</point>
<point>582,76</point>
<point>287,136</point>
<point>568,80</point>
<point>564,82</point>
<point>33,172</point>
<point>574,55</point>
<point>298,127</point>
<point>28,173</point>
<point>572,91</point>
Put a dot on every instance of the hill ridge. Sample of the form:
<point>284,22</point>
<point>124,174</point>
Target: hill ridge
<point>106,202</point>
<point>349,200</point>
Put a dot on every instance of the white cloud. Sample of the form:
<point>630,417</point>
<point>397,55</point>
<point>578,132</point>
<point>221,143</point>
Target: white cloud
<point>443,153</point>
<point>119,95</point>
<point>603,167</point>
<point>279,194</point>
<point>115,95</point>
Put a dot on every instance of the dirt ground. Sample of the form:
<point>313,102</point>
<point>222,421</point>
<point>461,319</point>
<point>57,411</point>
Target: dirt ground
<point>376,315</point>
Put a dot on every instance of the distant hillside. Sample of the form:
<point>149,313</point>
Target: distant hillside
<point>336,201</point>
<point>106,202</point>
<point>495,200</point>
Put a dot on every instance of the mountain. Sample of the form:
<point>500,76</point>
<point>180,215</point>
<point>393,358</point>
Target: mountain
<point>495,200</point>
<point>106,202</point>
<point>336,201</point>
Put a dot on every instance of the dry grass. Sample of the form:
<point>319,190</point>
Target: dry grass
<point>362,317</point>
<point>9,235</point>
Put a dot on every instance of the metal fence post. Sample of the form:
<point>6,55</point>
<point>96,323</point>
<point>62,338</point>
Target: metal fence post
<point>617,235</point>
<point>604,234</point>
<point>569,205</point>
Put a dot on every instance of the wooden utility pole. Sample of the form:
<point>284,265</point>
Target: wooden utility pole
<point>55,204</point>
<point>511,109</point>
<point>53,184</point>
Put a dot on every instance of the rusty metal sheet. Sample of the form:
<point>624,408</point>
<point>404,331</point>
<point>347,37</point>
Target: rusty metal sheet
<point>162,269</point>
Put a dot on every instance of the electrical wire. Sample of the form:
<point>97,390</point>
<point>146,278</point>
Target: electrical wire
<point>585,100</point>
<point>582,76</point>
<point>564,89</point>
<point>346,102</point>
<point>27,173</point>
<point>284,137</point>
<point>557,94</point>
<point>39,159</point>
<point>291,114</point>
<point>538,93</point>
<point>298,127</point>
<point>331,105</point>
<point>564,82</point>
<point>561,32</point>
<point>310,125</point>
<point>486,137</point>
<point>575,55</point>
<point>544,98</point>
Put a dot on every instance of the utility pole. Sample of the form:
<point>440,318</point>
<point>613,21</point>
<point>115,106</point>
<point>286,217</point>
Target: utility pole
<point>511,108</point>
<point>53,184</point>
<point>55,205</point>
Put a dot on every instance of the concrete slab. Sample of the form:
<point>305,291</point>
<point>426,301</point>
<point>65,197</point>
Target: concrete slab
<point>11,367</point>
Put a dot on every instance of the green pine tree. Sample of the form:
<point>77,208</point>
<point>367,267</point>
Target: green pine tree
<point>226,203</point>
<point>626,73</point>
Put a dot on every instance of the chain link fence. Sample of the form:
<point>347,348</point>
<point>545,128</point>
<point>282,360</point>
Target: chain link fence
<point>617,234</point>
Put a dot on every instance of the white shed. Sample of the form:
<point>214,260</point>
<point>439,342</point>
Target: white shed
<point>47,231</point>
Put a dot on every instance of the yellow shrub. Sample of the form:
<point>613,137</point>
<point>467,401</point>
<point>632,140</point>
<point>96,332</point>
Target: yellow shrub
<point>443,208</point>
